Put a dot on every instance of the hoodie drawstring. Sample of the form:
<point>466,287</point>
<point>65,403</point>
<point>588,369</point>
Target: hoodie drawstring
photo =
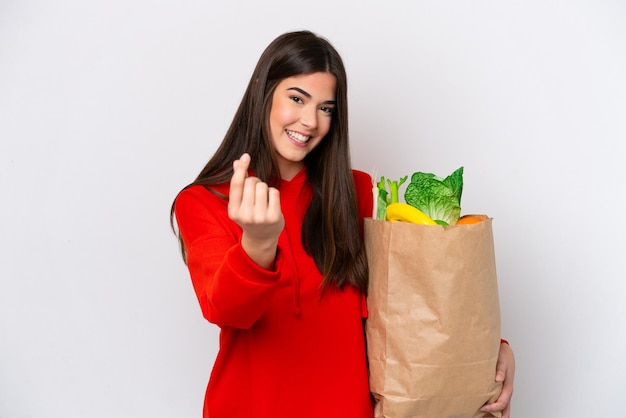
<point>295,274</point>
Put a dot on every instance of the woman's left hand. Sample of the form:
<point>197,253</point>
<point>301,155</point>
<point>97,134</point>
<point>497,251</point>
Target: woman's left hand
<point>505,373</point>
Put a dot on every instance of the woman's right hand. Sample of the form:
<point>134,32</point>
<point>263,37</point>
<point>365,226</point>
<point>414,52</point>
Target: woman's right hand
<point>255,207</point>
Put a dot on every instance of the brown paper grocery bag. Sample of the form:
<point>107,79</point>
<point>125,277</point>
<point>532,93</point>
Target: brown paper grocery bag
<point>433,330</point>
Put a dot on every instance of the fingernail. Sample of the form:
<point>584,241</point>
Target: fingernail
<point>245,157</point>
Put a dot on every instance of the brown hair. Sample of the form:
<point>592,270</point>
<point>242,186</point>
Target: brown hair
<point>330,230</point>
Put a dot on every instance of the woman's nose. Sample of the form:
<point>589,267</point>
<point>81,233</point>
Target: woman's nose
<point>308,117</point>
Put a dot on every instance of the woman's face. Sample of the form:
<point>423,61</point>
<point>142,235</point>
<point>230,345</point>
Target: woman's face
<point>300,117</point>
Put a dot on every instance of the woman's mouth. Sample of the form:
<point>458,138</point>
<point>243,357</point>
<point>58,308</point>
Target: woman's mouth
<point>298,137</point>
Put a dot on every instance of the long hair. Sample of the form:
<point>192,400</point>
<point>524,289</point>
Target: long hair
<point>330,230</point>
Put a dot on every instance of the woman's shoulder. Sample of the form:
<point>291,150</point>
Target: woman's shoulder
<point>365,198</point>
<point>362,178</point>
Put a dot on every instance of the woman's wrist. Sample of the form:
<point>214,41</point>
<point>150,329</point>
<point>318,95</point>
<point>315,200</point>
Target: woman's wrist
<point>262,252</point>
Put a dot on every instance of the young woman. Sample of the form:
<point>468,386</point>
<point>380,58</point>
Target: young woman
<point>271,231</point>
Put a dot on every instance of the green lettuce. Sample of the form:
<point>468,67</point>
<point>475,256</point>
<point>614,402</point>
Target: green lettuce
<point>439,198</point>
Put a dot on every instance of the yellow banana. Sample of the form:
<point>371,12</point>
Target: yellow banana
<point>403,212</point>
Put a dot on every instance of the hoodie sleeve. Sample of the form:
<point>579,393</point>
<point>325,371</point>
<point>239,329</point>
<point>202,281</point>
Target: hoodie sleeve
<point>232,290</point>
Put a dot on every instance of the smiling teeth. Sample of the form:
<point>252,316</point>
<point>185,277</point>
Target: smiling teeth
<point>298,137</point>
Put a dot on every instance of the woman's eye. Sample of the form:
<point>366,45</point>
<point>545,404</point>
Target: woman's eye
<point>328,110</point>
<point>296,99</point>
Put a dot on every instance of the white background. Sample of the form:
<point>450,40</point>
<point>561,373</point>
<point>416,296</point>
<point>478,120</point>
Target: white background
<point>108,108</point>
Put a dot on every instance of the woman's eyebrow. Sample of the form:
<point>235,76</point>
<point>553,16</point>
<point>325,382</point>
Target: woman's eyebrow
<point>306,94</point>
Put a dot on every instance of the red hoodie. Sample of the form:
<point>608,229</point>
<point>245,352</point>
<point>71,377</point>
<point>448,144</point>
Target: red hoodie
<point>286,349</point>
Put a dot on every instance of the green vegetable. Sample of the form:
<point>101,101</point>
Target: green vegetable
<point>394,186</point>
<point>436,197</point>
<point>384,198</point>
<point>381,200</point>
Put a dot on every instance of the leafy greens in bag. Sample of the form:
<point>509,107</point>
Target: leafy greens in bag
<point>437,197</point>
<point>382,198</point>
